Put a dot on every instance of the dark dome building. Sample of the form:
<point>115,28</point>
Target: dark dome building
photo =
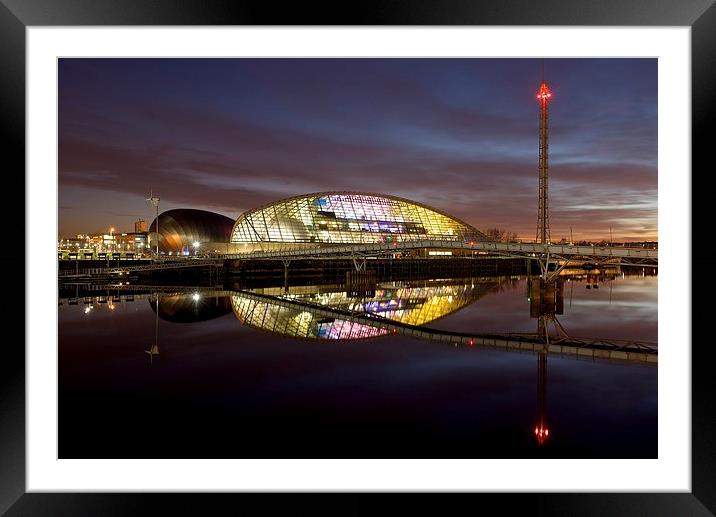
<point>185,230</point>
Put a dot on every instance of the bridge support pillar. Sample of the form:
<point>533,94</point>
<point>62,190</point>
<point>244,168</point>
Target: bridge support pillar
<point>360,283</point>
<point>286,263</point>
<point>547,275</point>
<point>359,264</point>
<point>544,266</point>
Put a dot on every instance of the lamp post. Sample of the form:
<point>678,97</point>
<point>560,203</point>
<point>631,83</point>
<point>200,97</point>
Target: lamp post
<point>155,201</point>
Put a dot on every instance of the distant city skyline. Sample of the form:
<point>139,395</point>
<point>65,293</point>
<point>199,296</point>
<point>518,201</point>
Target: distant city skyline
<point>228,135</point>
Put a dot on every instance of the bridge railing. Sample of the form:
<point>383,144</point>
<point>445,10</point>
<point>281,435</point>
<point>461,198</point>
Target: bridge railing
<point>489,246</point>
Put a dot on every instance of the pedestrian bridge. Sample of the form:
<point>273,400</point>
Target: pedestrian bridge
<point>616,255</point>
<point>552,257</point>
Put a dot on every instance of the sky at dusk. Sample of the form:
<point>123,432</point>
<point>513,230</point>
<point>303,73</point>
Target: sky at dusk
<point>461,135</point>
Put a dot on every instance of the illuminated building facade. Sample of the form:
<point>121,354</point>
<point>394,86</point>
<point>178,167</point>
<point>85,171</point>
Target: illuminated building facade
<point>329,218</point>
<point>103,245</point>
<point>130,242</point>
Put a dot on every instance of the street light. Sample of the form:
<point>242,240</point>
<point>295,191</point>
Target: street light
<point>155,201</point>
<point>196,247</point>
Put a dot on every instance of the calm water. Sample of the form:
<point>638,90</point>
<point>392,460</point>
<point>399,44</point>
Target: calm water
<point>231,375</point>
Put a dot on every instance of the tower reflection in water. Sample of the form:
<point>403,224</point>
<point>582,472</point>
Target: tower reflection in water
<point>546,302</point>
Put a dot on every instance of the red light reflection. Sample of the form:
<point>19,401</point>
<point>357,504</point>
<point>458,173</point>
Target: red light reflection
<point>541,433</point>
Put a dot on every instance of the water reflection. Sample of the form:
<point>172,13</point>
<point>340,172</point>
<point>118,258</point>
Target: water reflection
<point>546,302</point>
<point>154,347</point>
<point>414,303</point>
<point>410,303</point>
<point>191,307</point>
<point>329,312</point>
<point>490,393</point>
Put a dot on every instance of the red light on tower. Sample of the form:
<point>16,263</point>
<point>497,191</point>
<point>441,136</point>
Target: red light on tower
<point>544,93</point>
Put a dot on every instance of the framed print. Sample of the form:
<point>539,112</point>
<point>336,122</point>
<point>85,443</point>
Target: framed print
<point>412,250</point>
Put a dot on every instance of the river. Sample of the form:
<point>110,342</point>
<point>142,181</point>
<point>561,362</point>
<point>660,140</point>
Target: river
<point>266,372</point>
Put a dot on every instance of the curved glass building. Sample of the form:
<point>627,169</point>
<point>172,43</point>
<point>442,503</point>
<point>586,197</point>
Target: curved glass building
<point>327,218</point>
<point>180,229</point>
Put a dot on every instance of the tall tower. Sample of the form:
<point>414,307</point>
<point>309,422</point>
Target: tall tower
<point>543,97</point>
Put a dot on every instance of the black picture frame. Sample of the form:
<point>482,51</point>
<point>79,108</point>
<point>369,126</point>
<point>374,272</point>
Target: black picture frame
<point>17,15</point>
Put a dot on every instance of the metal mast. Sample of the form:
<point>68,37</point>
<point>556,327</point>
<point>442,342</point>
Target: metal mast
<point>543,97</point>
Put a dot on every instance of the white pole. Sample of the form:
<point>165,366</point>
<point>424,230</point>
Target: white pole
<point>157,228</point>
